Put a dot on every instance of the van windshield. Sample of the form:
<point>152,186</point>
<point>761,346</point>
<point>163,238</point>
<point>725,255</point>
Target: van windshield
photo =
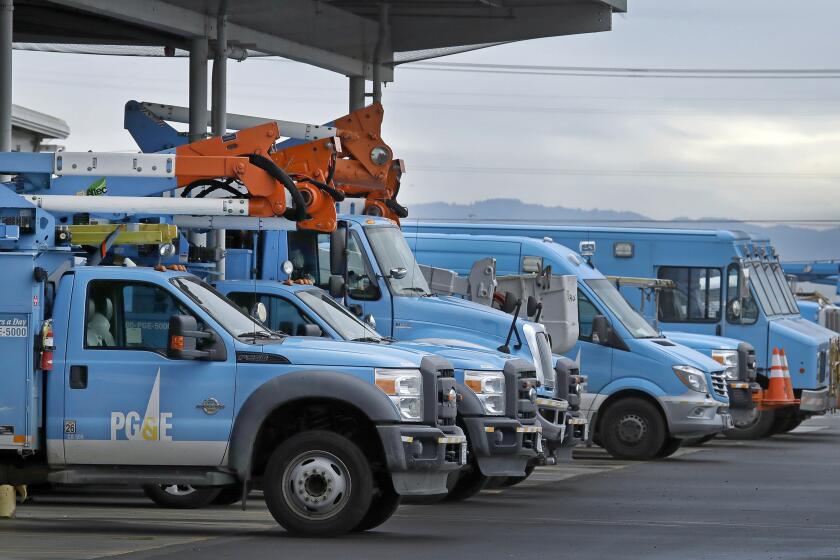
<point>392,254</point>
<point>613,300</point>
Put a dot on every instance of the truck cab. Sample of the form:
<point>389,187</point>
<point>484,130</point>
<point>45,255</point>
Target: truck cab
<point>644,392</point>
<point>497,393</point>
<point>728,284</point>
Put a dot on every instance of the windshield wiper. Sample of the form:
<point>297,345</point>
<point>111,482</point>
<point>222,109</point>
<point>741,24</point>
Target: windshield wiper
<point>416,289</point>
<point>366,339</point>
<point>260,334</point>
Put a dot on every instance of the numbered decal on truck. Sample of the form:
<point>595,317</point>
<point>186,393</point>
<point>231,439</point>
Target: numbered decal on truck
<point>154,425</point>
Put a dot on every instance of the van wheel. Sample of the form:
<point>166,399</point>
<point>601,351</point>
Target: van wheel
<point>670,447</point>
<point>698,441</point>
<point>382,507</point>
<point>180,496</point>
<point>634,429</point>
<point>318,483</point>
<point>470,483</point>
<point>759,427</point>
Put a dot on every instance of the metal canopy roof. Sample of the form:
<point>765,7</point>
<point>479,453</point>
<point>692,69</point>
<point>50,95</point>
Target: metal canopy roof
<point>339,35</point>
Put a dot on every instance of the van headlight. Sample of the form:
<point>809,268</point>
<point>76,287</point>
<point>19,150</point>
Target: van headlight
<point>489,387</point>
<point>405,389</point>
<point>692,378</point>
<point>729,360</point>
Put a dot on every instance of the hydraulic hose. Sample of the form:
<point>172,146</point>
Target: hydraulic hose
<point>296,214</point>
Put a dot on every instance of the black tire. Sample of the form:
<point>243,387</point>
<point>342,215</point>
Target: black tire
<point>669,447</point>
<point>514,480</point>
<point>229,496</point>
<point>786,422</point>
<point>469,483</point>
<point>318,483</point>
<point>697,441</point>
<point>180,496</point>
<point>760,427</point>
<point>634,429</point>
<point>383,505</point>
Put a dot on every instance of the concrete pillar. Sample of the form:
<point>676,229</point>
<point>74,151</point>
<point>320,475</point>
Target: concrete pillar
<point>6,16</point>
<point>198,88</point>
<point>218,112</point>
<point>357,93</point>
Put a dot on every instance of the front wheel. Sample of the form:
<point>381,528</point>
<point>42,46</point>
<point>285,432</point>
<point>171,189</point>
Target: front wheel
<point>758,427</point>
<point>669,448</point>
<point>469,483</point>
<point>514,480</point>
<point>318,483</point>
<point>633,429</point>
<point>383,505</point>
<point>180,496</point>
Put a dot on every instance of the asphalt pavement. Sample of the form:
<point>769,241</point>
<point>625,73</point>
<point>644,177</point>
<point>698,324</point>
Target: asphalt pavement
<point>776,498</point>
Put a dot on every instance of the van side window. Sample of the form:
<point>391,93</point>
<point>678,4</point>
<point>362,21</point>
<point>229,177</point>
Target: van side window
<point>283,315</point>
<point>696,298</point>
<point>586,312</point>
<point>129,316</point>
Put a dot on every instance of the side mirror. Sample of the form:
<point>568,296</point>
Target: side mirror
<point>370,321</point>
<point>600,330</point>
<point>337,288</point>
<point>260,311</point>
<point>310,329</point>
<point>397,273</point>
<point>288,268</point>
<point>531,307</point>
<point>735,309</point>
<point>510,302</point>
<point>338,251</point>
<point>183,335</point>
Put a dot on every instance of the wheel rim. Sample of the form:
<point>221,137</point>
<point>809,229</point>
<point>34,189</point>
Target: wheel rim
<point>178,489</point>
<point>316,485</point>
<point>749,423</point>
<point>631,429</point>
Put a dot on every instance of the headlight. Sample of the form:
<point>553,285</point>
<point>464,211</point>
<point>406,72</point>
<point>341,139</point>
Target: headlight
<point>405,389</point>
<point>729,360</point>
<point>692,377</point>
<point>489,386</point>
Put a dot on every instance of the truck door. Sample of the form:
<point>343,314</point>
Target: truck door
<point>595,360</point>
<point>126,402</point>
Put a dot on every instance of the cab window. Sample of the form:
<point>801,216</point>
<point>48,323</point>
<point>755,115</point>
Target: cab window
<point>129,316</point>
<point>739,310</point>
<point>696,297</point>
<point>283,316</point>
<point>586,312</point>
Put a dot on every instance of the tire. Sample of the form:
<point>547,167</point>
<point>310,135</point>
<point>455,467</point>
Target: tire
<point>669,447</point>
<point>698,441</point>
<point>318,483</point>
<point>383,505</point>
<point>180,496</point>
<point>514,480</point>
<point>229,496</point>
<point>633,428</point>
<point>786,421</point>
<point>759,428</point>
<point>470,483</point>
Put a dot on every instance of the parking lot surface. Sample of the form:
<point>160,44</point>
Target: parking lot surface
<point>775,498</point>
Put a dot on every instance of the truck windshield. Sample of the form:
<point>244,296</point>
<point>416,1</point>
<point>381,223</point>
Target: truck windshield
<point>224,311</point>
<point>344,322</point>
<point>392,254</point>
<point>769,292</point>
<point>615,302</point>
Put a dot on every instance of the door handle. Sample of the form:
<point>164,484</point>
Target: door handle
<point>78,377</point>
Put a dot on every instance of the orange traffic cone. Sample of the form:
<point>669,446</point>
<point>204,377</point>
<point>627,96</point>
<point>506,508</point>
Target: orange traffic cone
<point>788,381</point>
<point>776,394</point>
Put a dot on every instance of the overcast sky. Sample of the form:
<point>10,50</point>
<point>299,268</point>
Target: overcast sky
<point>662,147</point>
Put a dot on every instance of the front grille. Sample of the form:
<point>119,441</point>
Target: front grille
<point>446,408</point>
<point>822,366</point>
<point>719,383</point>
<point>830,318</point>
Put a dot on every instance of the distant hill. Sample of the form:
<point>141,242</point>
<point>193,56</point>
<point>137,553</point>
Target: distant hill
<point>793,243</point>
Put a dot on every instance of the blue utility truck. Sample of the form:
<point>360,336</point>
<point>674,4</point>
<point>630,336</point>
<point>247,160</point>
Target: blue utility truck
<point>497,393</point>
<point>728,284</point>
<point>645,393</point>
<point>129,375</point>
<point>815,305</point>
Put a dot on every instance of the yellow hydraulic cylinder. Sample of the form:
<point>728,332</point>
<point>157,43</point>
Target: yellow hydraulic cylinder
<point>7,502</point>
<point>130,234</point>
